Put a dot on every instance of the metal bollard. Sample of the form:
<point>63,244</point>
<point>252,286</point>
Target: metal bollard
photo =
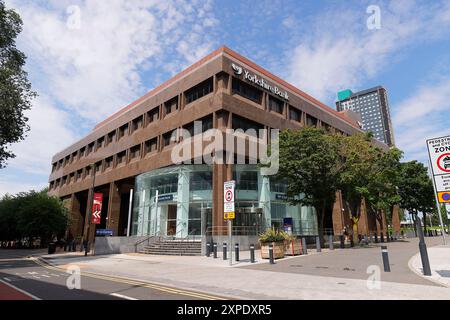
<point>384,254</point>
<point>304,247</point>
<point>376,238</point>
<point>208,249</point>
<point>381,237</point>
<point>271,254</point>
<point>236,251</point>
<point>366,240</point>
<point>215,250</point>
<point>341,239</point>
<point>352,243</point>
<point>387,237</point>
<point>252,253</point>
<point>224,255</point>
<point>318,246</point>
<point>330,242</point>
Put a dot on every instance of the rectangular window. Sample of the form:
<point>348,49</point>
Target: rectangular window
<point>275,105</point>
<point>98,167</point>
<point>108,163</point>
<point>153,115</point>
<point>79,174</point>
<point>137,123</point>
<point>247,91</point>
<point>82,152</point>
<point>245,124</point>
<point>151,145</point>
<point>294,114</point>
<point>111,137</point>
<point>121,157</point>
<point>54,165</point>
<point>171,105</point>
<point>135,151</point>
<point>123,130</point>
<point>311,121</point>
<point>167,139</point>
<point>100,142</point>
<point>200,90</point>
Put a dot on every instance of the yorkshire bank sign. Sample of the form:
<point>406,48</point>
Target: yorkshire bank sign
<point>251,77</point>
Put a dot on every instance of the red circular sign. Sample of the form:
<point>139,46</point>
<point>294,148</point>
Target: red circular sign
<point>446,167</point>
<point>228,195</point>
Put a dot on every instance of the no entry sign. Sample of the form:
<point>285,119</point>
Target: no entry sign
<point>439,153</point>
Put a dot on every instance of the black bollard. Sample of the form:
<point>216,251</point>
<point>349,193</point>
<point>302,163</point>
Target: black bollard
<point>384,254</point>
<point>236,251</point>
<point>387,237</point>
<point>330,242</point>
<point>215,250</point>
<point>376,238</point>
<point>341,239</point>
<point>318,246</point>
<point>252,253</point>
<point>352,243</point>
<point>224,254</point>
<point>271,254</point>
<point>208,249</point>
<point>304,246</point>
<point>381,237</point>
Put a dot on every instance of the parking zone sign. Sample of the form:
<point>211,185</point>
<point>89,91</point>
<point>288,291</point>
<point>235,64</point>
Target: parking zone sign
<point>439,153</point>
<point>228,199</point>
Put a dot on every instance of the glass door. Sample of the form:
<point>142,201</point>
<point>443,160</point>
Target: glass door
<point>171,219</point>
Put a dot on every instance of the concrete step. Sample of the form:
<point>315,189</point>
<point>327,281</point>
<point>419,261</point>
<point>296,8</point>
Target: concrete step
<point>174,247</point>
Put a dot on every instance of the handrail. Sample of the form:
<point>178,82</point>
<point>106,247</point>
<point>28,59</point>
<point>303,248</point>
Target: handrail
<point>158,234</point>
<point>187,237</point>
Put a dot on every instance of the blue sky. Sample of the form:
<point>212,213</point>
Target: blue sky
<point>87,59</point>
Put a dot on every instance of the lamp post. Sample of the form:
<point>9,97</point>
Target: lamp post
<point>91,205</point>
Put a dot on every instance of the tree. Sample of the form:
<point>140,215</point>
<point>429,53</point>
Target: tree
<point>310,163</point>
<point>415,188</point>
<point>15,89</point>
<point>358,173</point>
<point>32,215</point>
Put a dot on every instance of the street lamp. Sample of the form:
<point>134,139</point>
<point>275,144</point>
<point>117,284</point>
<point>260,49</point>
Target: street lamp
<point>91,206</point>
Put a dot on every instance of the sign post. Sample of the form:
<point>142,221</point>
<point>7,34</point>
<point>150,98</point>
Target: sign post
<point>439,163</point>
<point>228,211</point>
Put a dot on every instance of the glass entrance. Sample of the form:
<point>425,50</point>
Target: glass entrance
<point>171,220</point>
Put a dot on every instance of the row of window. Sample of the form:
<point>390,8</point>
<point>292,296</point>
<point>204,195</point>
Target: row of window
<point>151,116</point>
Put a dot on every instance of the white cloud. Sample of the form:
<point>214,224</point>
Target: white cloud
<point>422,116</point>
<point>340,51</point>
<point>84,75</point>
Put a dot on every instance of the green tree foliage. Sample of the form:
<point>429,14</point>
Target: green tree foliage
<point>15,89</point>
<point>32,215</point>
<point>310,163</point>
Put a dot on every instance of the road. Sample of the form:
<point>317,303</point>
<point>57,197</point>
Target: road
<point>25,278</point>
<point>352,263</point>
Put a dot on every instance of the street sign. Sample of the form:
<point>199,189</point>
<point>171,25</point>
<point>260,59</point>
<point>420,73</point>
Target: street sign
<point>444,197</point>
<point>97,208</point>
<point>439,153</point>
<point>228,199</point>
<point>103,232</point>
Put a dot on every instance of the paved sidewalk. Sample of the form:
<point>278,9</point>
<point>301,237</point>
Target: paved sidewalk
<point>214,276</point>
<point>439,258</point>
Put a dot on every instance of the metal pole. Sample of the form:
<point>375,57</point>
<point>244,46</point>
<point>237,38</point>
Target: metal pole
<point>330,242</point>
<point>318,246</point>
<point>208,249</point>
<point>90,211</point>
<point>230,239</point>
<point>271,254</point>
<point>304,247</point>
<point>385,256</point>
<point>224,251</point>
<point>236,251</point>
<point>215,250</point>
<point>423,250</point>
<point>130,208</point>
<point>437,204</point>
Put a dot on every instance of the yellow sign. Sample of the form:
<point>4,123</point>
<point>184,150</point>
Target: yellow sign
<point>228,215</point>
<point>444,196</point>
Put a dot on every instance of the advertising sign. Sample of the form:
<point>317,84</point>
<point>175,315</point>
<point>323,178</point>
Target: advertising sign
<point>97,208</point>
<point>228,199</point>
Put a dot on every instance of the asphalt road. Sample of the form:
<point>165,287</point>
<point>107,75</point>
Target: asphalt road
<point>24,278</point>
<point>353,262</point>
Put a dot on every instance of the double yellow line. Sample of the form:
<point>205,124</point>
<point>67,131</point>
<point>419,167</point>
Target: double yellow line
<point>134,282</point>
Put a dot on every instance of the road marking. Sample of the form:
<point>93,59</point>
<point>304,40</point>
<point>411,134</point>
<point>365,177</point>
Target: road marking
<point>118,295</point>
<point>20,290</point>
<point>44,275</point>
<point>136,283</point>
<point>7,279</point>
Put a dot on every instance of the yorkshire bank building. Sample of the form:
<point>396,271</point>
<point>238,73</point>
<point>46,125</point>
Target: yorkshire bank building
<point>154,190</point>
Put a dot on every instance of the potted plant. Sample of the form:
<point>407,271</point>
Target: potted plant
<point>274,237</point>
<point>292,245</point>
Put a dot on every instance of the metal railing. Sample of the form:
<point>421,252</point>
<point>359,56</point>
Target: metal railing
<point>236,230</point>
<point>157,235</point>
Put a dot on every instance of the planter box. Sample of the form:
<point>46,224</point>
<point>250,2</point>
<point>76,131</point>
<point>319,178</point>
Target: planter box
<point>293,248</point>
<point>278,250</point>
